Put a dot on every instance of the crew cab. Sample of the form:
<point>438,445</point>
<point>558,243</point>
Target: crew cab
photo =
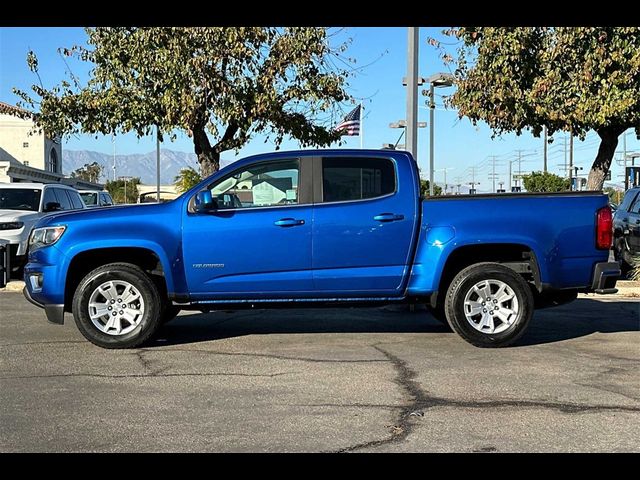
<point>321,228</point>
<point>22,204</point>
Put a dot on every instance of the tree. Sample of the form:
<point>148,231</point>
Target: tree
<point>566,78</point>
<point>123,191</point>
<point>90,172</point>
<point>187,178</point>
<point>227,82</point>
<point>545,182</point>
<point>615,195</point>
<point>424,188</point>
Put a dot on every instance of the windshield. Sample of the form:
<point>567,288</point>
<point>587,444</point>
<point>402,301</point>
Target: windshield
<point>20,199</point>
<point>89,198</point>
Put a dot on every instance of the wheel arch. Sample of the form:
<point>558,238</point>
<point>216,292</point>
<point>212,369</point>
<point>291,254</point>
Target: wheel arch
<point>148,259</point>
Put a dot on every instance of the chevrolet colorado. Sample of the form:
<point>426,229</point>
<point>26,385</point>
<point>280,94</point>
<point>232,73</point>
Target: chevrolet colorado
<point>321,227</point>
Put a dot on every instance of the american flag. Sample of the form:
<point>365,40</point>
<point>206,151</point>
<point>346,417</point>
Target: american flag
<point>351,123</point>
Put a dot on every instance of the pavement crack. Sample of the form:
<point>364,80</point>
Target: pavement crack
<point>277,357</point>
<point>140,375</point>
<point>420,401</point>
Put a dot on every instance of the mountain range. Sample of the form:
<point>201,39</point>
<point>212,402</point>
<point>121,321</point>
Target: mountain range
<point>133,165</point>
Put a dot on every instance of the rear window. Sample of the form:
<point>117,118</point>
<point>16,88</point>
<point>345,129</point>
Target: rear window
<point>20,199</point>
<point>346,178</point>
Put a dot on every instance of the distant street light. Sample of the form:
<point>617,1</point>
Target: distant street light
<point>437,80</point>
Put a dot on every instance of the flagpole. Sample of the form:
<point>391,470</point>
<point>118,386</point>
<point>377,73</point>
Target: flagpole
<point>361,126</point>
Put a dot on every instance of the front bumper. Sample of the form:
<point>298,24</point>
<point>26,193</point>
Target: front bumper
<point>605,276</point>
<point>54,313</point>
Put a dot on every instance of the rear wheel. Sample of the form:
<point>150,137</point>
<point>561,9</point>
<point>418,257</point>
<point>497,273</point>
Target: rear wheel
<point>117,306</point>
<point>489,305</point>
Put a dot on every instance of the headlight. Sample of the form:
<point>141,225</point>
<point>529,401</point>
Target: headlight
<point>11,225</point>
<point>42,237</point>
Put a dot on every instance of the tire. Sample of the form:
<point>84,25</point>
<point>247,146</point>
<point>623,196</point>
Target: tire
<point>135,328</point>
<point>170,313</point>
<point>507,327</point>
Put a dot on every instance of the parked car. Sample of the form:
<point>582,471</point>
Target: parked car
<point>22,204</point>
<point>321,228</point>
<point>96,198</point>
<point>626,224</point>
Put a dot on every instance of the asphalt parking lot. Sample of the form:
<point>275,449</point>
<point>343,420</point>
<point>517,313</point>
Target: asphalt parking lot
<point>335,380</point>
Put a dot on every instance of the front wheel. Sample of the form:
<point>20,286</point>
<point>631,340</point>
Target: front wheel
<point>117,306</point>
<point>489,305</point>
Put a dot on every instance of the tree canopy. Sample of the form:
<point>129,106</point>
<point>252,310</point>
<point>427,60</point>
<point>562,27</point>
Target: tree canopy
<point>91,172</point>
<point>545,182</point>
<point>187,178</point>
<point>227,83</point>
<point>123,190</point>
<point>572,79</point>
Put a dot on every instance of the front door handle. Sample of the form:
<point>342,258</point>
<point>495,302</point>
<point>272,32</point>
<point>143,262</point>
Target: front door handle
<point>638,222</point>
<point>388,217</point>
<point>288,222</point>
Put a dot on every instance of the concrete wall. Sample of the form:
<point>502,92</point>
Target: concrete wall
<point>33,150</point>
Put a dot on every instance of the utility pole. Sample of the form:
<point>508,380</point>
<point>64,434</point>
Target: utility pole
<point>445,176</point>
<point>157,164</point>
<point>458,185</point>
<point>566,168</point>
<point>571,161</point>
<point>545,149</point>
<point>412,97</point>
<point>624,152</point>
<point>493,172</point>
<point>113,144</point>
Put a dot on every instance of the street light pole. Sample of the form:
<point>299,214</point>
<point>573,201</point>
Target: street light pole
<point>157,164</point>
<point>545,149</point>
<point>412,92</point>
<point>432,109</point>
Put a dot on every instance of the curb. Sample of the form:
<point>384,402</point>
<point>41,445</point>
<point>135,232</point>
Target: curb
<point>13,286</point>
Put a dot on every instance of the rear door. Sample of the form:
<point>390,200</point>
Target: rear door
<point>364,224</point>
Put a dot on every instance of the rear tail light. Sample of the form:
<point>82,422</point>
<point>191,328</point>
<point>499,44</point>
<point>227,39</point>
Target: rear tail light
<point>604,228</point>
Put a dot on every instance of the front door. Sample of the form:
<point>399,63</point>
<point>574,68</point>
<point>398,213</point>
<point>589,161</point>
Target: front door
<point>363,226</point>
<point>257,243</point>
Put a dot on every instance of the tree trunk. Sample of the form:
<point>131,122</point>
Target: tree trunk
<point>602,163</point>
<point>208,158</point>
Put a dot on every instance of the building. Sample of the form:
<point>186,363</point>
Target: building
<point>27,155</point>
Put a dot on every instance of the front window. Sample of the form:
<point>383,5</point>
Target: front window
<point>20,199</point>
<point>260,185</point>
<point>90,199</point>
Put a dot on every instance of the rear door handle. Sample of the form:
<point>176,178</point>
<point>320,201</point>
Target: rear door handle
<point>388,217</point>
<point>288,222</point>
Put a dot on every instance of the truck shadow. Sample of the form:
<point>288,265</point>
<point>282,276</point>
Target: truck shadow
<point>577,319</point>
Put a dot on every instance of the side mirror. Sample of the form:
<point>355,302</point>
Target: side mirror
<point>205,201</point>
<point>52,207</point>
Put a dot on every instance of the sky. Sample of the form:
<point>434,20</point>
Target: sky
<point>462,149</point>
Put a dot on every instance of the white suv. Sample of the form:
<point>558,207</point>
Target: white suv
<point>22,204</point>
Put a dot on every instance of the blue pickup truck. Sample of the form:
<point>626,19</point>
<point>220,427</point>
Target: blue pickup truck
<point>321,228</point>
